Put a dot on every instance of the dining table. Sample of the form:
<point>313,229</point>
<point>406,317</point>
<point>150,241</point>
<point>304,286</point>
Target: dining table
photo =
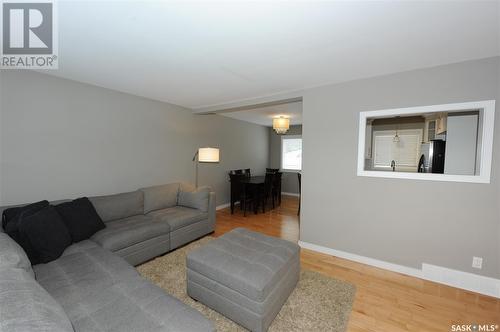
<point>244,187</point>
<point>254,180</point>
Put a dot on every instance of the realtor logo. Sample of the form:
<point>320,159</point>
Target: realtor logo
<point>28,35</point>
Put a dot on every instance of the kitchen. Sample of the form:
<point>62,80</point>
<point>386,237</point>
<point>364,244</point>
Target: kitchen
<point>440,143</point>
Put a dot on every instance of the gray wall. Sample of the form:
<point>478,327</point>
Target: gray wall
<point>405,222</point>
<point>289,182</point>
<point>63,139</point>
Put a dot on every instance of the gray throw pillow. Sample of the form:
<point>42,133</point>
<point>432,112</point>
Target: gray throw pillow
<point>12,255</point>
<point>195,199</point>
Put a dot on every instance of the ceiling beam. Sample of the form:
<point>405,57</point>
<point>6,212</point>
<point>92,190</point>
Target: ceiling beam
<point>246,104</point>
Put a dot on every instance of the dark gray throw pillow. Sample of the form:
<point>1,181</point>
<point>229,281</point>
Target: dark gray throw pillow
<point>11,216</point>
<point>11,219</point>
<point>46,233</point>
<point>81,218</point>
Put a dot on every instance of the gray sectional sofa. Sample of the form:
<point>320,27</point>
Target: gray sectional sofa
<point>148,222</point>
<point>92,286</point>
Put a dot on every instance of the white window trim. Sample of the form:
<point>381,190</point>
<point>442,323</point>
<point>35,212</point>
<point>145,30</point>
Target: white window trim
<point>281,154</point>
<point>486,106</point>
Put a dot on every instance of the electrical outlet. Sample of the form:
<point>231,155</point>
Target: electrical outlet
<point>477,262</point>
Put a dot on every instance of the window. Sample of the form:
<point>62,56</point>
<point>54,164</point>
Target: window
<point>405,153</point>
<point>291,153</point>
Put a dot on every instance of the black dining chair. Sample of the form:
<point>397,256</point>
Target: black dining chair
<point>251,198</point>
<point>247,173</point>
<point>236,189</point>
<point>247,197</point>
<point>276,192</point>
<point>272,170</point>
<point>300,191</point>
<point>267,190</point>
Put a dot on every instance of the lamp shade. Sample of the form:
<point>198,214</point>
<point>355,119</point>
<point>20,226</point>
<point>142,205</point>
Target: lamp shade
<point>208,155</point>
<point>281,125</point>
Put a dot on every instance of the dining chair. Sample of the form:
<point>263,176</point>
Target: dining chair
<point>300,191</point>
<point>251,198</point>
<point>236,189</point>
<point>247,173</point>
<point>268,190</point>
<point>272,170</point>
<point>245,195</point>
<point>276,192</point>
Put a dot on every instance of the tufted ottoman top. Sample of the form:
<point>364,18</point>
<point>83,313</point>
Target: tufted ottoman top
<point>247,262</point>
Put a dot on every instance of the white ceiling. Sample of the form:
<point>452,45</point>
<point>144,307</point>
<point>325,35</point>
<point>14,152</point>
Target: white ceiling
<point>264,115</point>
<point>205,53</point>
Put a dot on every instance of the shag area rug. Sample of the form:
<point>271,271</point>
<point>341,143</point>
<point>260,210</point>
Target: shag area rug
<point>318,303</point>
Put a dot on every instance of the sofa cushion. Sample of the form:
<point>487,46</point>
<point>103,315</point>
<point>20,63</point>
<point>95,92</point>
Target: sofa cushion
<point>123,233</point>
<point>101,292</point>
<point>119,206</point>
<point>178,217</point>
<point>84,264</point>
<point>197,199</point>
<point>160,197</point>
<point>12,255</point>
<point>46,234</point>
<point>81,218</point>
<point>26,306</point>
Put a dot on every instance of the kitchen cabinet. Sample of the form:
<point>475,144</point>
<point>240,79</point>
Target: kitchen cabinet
<point>441,124</point>
<point>429,130</point>
<point>434,126</point>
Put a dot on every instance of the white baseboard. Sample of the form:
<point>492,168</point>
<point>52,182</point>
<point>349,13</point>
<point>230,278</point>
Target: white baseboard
<point>459,279</point>
<point>464,280</point>
<point>222,206</point>
<point>289,194</point>
<point>362,259</point>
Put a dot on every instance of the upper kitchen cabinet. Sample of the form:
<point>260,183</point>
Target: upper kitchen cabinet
<point>441,123</point>
<point>429,130</point>
<point>435,125</point>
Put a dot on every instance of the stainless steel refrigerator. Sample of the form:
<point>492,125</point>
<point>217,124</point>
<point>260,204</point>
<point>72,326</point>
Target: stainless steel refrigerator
<point>432,158</point>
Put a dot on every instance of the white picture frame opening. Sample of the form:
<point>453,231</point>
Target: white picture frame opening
<point>396,151</point>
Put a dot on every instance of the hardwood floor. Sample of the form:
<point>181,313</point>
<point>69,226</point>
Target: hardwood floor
<point>385,301</point>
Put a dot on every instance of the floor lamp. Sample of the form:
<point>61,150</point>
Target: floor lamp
<point>205,155</point>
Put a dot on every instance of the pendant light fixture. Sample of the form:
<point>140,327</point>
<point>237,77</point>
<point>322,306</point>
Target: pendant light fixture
<point>281,125</point>
<point>395,139</point>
